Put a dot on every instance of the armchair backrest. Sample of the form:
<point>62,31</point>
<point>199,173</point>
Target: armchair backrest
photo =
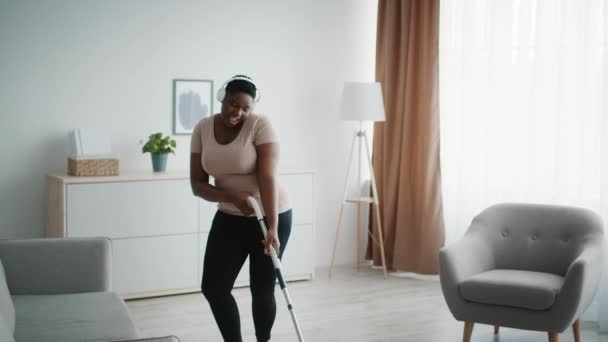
<point>532,237</point>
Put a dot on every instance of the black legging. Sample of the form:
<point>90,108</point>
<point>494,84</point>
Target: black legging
<point>231,239</point>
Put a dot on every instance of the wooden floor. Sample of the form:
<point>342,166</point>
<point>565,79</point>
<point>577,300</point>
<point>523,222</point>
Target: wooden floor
<point>352,306</point>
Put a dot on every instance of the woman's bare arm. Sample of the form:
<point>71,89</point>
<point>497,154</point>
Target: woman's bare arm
<point>199,181</point>
<point>268,157</point>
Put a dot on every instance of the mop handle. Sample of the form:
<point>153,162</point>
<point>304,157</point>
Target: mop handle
<point>258,214</point>
<point>277,266</point>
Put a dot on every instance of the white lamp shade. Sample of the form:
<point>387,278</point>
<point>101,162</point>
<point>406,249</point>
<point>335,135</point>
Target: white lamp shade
<point>362,101</point>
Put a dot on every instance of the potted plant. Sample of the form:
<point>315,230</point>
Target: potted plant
<point>159,147</point>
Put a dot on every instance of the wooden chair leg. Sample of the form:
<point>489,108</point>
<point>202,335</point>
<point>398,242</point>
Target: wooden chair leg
<point>468,331</point>
<point>576,329</point>
<point>552,336</point>
<point>496,327</point>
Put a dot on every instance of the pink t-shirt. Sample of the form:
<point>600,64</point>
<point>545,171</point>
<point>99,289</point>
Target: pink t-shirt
<point>233,166</point>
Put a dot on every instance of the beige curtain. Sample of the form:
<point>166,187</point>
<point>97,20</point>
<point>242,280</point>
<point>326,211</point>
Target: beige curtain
<point>406,146</point>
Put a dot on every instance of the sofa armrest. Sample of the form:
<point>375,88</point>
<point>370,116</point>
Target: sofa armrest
<point>458,261</point>
<point>55,266</point>
<point>171,338</point>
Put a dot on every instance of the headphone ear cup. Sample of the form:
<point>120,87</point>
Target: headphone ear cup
<point>221,93</point>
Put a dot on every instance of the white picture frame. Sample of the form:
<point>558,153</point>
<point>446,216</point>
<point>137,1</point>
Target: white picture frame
<point>192,101</point>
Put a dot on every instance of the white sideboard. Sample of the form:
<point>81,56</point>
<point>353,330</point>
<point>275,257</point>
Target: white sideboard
<point>159,228</point>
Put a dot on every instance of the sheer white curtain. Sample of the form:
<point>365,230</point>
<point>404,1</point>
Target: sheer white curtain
<point>523,87</point>
<point>524,109</point>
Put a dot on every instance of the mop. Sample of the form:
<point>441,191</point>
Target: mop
<point>277,267</point>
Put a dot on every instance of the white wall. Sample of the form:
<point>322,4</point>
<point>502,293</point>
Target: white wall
<point>110,64</point>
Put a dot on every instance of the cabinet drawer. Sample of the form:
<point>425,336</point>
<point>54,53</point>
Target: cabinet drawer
<point>298,259</point>
<point>131,209</point>
<point>207,212</point>
<point>159,229</point>
<point>300,190</point>
<point>155,263</point>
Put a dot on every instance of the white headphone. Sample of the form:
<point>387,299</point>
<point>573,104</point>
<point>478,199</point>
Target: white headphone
<point>221,93</point>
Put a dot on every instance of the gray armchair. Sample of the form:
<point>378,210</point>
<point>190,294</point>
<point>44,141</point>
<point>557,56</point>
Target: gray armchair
<point>533,267</point>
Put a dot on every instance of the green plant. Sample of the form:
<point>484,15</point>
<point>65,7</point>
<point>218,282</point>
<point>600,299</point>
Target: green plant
<point>157,144</point>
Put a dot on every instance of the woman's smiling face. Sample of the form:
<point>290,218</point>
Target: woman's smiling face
<point>236,107</point>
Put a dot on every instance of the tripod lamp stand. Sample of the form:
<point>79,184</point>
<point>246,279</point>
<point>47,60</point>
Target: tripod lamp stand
<point>361,102</point>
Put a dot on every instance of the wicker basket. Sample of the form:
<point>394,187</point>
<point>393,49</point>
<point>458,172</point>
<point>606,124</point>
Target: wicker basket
<point>93,167</point>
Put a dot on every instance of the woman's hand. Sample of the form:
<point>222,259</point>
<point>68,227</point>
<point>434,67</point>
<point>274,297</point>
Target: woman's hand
<point>239,199</point>
<point>272,239</point>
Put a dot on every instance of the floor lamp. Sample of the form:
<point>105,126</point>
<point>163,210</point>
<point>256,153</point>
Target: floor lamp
<point>361,102</point>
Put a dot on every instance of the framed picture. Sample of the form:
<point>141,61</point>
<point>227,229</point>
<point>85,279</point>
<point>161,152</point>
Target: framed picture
<point>192,101</point>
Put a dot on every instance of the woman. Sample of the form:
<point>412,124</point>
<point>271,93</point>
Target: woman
<point>240,150</point>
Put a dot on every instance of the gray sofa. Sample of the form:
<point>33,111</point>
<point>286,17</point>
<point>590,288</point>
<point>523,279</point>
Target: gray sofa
<point>533,267</point>
<point>59,290</point>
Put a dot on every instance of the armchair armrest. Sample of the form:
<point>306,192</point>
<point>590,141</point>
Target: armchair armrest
<point>464,258</point>
<point>458,261</point>
<point>581,281</point>
<point>55,266</point>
